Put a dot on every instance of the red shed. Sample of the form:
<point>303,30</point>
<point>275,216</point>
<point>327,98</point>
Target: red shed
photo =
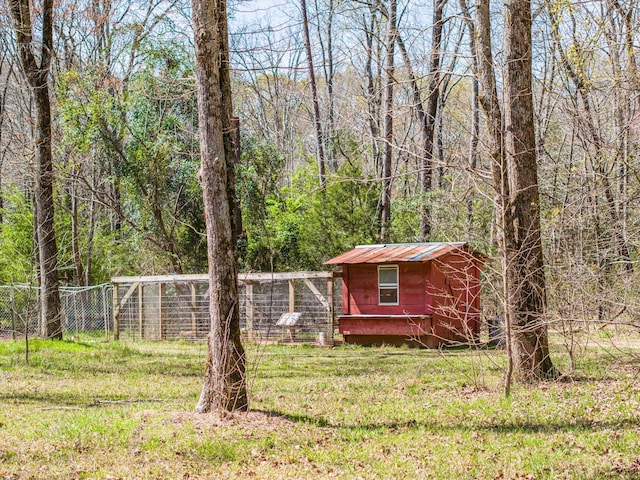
<point>416,293</point>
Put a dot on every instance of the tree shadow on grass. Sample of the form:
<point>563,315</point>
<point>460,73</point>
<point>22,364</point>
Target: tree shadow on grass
<point>142,366</point>
<point>51,399</point>
<point>570,378</point>
<point>69,400</point>
<point>580,425</point>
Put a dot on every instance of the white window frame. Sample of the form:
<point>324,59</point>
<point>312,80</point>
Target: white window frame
<point>395,285</point>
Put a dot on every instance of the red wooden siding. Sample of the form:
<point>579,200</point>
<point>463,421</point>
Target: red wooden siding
<point>454,285</point>
<point>363,289</point>
<point>417,325</point>
<point>360,292</point>
<point>346,310</point>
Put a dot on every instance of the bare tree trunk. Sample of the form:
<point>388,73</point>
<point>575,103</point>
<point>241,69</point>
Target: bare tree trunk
<point>46,230</point>
<point>418,105</point>
<point>385,200</point>
<point>488,99</point>
<point>92,228</point>
<point>426,179</point>
<point>75,241</point>
<point>1,191</point>
<point>621,118</point>
<point>224,386</point>
<point>475,107</point>
<point>101,14</point>
<point>34,242</point>
<point>373,96</point>
<point>237,158</point>
<point>629,35</point>
<point>37,74</point>
<point>526,279</point>
<point>634,87</point>
<point>3,103</point>
<point>115,194</point>
<point>329,75</point>
<point>333,161</point>
<point>314,96</point>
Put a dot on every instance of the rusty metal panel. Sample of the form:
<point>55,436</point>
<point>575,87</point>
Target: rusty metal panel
<point>434,252</point>
<point>350,256</point>
<point>403,252</point>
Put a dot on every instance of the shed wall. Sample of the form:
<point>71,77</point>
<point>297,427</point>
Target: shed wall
<point>360,290</point>
<point>454,286</point>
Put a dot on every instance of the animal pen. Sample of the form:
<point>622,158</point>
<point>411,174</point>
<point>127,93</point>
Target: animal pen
<point>84,310</point>
<point>289,307</point>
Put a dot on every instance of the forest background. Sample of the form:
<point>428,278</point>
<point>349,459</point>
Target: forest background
<point>321,168</point>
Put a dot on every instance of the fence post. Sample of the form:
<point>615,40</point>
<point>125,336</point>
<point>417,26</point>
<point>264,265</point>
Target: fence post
<point>292,306</point>
<point>292,295</point>
<point>194,325</point>
<point>249,309</point>
<point>330,312</point>
<point>12,299</point>
<point>116,313</point>
<point>105,311</point>
<point>160,319</point>
<point>71,295</point>
<point>42,324</point>
<point>86,296</point>
<point>140,311</point>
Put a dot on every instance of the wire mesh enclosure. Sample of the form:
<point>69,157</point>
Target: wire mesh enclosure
<point>177,307</point>
<point>85,310</point>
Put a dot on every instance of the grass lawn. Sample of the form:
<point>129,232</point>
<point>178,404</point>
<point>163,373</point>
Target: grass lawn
<point>123,410</point>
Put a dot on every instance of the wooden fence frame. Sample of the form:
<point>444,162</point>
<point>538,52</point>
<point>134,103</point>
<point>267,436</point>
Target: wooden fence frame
<point>246,279</point>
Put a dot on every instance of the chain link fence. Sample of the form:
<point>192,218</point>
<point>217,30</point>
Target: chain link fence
<point>177,307</point>
<point>84,310</point>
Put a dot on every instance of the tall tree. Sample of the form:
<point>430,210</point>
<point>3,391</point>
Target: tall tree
<point>525,265</point>
<point>385,199</point>
<point>224,386</point>
<point>490,103</point>
<point>329,67</point>
<point>314,96</point>
<point>428,128</point>
<point>6,64</point>
<point>474,141</point>
<point>370,27</point>
<point>36,71</point>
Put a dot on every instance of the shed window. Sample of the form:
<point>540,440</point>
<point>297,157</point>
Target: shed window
<point>388,284</point>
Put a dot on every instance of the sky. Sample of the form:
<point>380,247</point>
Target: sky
<point>248,12</point>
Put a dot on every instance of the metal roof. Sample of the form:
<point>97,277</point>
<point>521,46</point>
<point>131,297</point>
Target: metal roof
<point>400,252</point>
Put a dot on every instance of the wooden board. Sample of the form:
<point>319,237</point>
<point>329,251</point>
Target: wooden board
<point>242,277</point>
<point>385,325</point>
